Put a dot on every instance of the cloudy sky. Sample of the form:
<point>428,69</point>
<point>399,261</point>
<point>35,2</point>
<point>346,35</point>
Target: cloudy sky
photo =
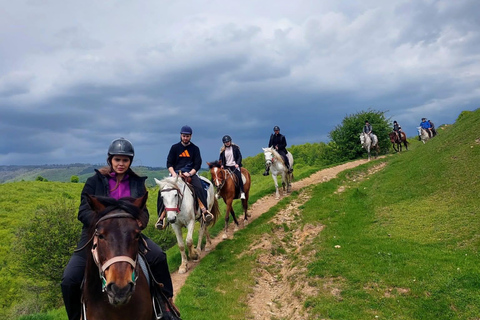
<point>74,75</point>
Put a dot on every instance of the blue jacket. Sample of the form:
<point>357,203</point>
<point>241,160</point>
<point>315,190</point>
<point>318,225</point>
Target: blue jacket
<point>425,125</point>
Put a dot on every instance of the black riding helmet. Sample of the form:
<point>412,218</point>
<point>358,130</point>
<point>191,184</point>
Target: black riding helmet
<point>276,128</point>
<point>226,138</point>
<point>121,146</point>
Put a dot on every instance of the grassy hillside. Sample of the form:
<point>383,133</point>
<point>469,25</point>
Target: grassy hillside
<point>408,237</point>
<point>64,173</point>
<point>401,243</point>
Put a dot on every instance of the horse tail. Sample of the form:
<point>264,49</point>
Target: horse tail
<point>215,211</point>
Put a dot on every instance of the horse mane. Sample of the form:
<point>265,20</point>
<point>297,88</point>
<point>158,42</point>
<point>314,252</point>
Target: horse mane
<point>111,204</point>
<point>277,155</point>
<point>214,164</point>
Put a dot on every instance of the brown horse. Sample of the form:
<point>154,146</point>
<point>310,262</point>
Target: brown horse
<point>395,140</point>
<point>227,187</point>
<point>115,286</point>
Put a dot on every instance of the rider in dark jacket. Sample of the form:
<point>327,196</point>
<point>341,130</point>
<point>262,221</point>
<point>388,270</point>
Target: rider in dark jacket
<point>117,180</point>
<point>278,141</point>
<point>398,130</point>
<point>231,159</point>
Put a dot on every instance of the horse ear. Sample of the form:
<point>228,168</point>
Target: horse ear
<point>143,218</point>
<point>141,202</point>
<point>95,204</point>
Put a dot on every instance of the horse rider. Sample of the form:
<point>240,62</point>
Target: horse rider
<point>117,180</point>
<point>231,159</point>
<point>367,129</point>
<point>184,157</point>
<point>398,130</point>
<point>426,125</point>
<point>278,141</point>
<point>432,127</point>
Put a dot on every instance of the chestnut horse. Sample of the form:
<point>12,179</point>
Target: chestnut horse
<point>115,286</point>
<point>395,140</point>
<point>227,187</point>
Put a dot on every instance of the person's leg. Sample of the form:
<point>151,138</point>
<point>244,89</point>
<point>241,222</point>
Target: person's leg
<point>161,224</point>
<point>71,282</point>
<point>197,185</point>
<point>238,173</point>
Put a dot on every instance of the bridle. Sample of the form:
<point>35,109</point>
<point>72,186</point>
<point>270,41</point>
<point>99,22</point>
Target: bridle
<point>219,184</point>
<point>103,267</point>
<point>180,199</point>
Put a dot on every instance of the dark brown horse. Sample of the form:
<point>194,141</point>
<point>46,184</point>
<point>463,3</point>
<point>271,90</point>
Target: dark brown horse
<point>395,140</point>
<point>115,285</point>
<point>227,188</point>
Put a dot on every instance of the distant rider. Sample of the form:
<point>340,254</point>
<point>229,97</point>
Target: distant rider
<point>278,141</point>
<point>398,130</point>
<point>368,129</point>
<point>231,159</point>
<point>426,125</point>
<point>432,127</point>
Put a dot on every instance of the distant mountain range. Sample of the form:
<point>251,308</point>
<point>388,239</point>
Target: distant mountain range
<point>64,173</point>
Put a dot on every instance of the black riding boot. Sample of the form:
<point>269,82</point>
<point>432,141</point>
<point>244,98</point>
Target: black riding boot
<point>71,297</point>
<point>267,169</point>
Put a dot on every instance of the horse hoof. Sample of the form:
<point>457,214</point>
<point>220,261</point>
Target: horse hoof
<point>224,236</point>
<point>235,229</point>
<point>182,270</point>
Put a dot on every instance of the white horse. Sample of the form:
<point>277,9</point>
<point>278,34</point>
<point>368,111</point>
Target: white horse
<point>368,144</point>
<point>274,161</point>
<point>181,212</point>
<point>423,134</point>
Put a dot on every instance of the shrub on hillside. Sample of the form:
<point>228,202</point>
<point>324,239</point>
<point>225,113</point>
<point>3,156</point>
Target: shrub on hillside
<point>44,246</point>
<point>346,135</point>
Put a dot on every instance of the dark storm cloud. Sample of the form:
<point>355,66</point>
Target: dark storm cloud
<point>75,76</point>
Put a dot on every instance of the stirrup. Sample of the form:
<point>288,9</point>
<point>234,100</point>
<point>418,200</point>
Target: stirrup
<point>160,224</point>
<point>207,216</point>
<point>265,173</point>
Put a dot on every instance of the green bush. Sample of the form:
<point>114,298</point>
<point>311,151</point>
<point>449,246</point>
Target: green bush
<point>44,246</point>
<point>74,179</point>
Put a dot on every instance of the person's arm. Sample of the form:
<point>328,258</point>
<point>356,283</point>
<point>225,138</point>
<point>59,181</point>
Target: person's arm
<point>238,159</point>
<point>85,213</point>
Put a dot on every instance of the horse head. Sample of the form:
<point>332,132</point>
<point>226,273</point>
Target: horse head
<point>116,234</point>
<point>218,175</point>
<point>170,191</point>
<point>269,156</point>
<point>362,138</point>
<point>393,137</point>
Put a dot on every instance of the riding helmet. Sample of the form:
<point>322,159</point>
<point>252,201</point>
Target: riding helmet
<point>186,130</point>
<point>121,146</point>
<point>276,128</point>
<point>226,138</point>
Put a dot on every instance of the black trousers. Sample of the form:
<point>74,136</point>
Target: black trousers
<point>238,174</point>
<point>283,153</point>
<point>75,270</point>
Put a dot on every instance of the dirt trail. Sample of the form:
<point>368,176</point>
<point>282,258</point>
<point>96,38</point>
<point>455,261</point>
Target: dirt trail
<point>261,206</point>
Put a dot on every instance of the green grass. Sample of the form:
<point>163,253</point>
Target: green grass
<point>408,236</point>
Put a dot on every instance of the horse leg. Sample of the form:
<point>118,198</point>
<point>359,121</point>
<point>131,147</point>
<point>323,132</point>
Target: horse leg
<point>277,193</point>
<point>181,246</point>
<point>234,216</point>
<point>192,252</point>
<point>201,233</point>
<point>227,217</point>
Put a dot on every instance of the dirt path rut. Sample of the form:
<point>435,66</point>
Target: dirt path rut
<point>261,206</point>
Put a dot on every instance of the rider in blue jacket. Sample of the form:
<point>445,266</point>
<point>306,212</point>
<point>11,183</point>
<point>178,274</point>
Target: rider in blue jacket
<point>426,125</point>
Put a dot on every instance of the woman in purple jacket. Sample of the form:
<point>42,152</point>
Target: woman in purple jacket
<point>116,180</point>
